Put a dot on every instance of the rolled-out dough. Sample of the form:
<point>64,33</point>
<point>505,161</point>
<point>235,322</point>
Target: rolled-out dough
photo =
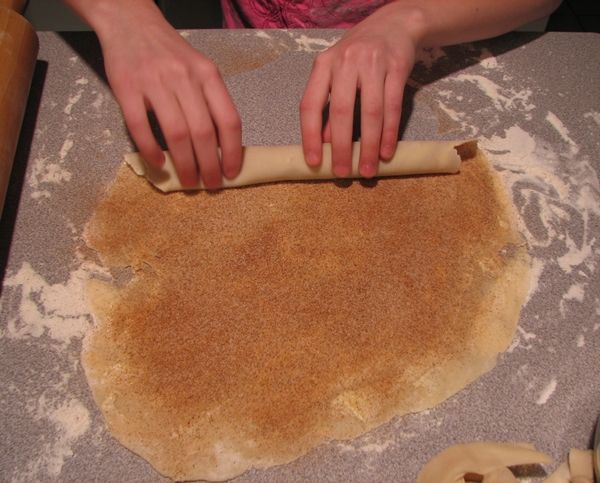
<point>261,322</point>
<point>263,164</point>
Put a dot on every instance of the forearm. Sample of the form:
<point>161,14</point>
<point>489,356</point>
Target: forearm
<point>447,22</point>
<point>108,17</point>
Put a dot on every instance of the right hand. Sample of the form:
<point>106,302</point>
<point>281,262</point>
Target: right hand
<point>151,68</point>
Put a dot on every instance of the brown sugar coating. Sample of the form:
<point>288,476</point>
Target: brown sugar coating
<point>262,321</point>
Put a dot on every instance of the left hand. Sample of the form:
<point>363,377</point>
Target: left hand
<point>373,59</point>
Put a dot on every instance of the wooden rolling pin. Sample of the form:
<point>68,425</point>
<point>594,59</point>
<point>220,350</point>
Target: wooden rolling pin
<point>16,5</point>
<point>18,52</point>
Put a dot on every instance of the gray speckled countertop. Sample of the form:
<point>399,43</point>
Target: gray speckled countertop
<point>532,100</point>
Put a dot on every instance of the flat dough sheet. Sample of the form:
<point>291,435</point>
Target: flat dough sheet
<point>264,164</point>
<point>260,322</point>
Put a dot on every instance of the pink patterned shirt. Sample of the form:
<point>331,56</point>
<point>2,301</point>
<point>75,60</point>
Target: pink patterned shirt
<point>267,14</point>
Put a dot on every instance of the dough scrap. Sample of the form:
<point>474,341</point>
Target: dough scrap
<point>488,462</point>
<point>560,475</point>
<point>499,475</point>
<point>261,322</point>
<point>480,458</point>
<point>581,466</point>
<point>264,164</point>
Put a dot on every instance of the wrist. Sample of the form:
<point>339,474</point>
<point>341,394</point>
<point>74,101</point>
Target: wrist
<point>409,18</point>
<point>109,17</point>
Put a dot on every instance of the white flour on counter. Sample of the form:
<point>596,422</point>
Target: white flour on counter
<point>49,168</point>
<point>74,99</point>
<point>98,101</point>
<point>310,44</point>
<point>547,393</point>
<point>44,173</point>
<point>51,316</point>
<point>48,171</point>
<point>70,420</point>
<point>503,98</point>
<point>367,446</point>
<point>563,131</point>
<point>56,166</point>
<point>58,311</point>
<point>66,147</point>
<point>562,192</point>
<point>487,60</point>
<point>558,195</point>
<point>552,183</point>
<point>522,338</point>
<point>372,450</point>
<point>594,115</point>
<point>576,293</point>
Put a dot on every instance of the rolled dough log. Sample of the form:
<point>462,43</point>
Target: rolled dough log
<point>264,164</point>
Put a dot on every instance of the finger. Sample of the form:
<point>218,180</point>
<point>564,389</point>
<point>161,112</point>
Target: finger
<point>227,122</point>
<point>341,113</point>
<point>393,94</point>
<point>136,118</point>
<point>313,101</point>
<point>202,132</point>
<point>177,134</point>
<point>371,121</point>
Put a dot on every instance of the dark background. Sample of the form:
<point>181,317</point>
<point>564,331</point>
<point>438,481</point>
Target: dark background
<point>571,16</point>
<point>576,16</point>
<point>53,15</point>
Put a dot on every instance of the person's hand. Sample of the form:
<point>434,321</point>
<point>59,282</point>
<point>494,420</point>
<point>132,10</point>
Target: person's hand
<point>151,68</point>
<point>374,59</point>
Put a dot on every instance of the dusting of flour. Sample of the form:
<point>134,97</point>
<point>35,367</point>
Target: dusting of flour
<point>57,311</point>
<point>549,175</point>
<point>558,197</point>
<point>305,43</point>
<point>49,318</point>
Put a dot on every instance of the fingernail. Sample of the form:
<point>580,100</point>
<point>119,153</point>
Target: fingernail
<point>368,170</point>
<point>387,151</point>
<point>230,172</point>
<point>312,159</point>
<point>157,160</point>
<point>190,181</point>
<point>341,171</point>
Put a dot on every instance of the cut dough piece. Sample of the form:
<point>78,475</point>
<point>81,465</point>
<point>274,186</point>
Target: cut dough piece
<point>457,463</point>
<point>499,475</point>
<point>264,164</point>
<point>581,466</point>
<point>479,458</point>
<point>262,322</point>
<point>560,474</point>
